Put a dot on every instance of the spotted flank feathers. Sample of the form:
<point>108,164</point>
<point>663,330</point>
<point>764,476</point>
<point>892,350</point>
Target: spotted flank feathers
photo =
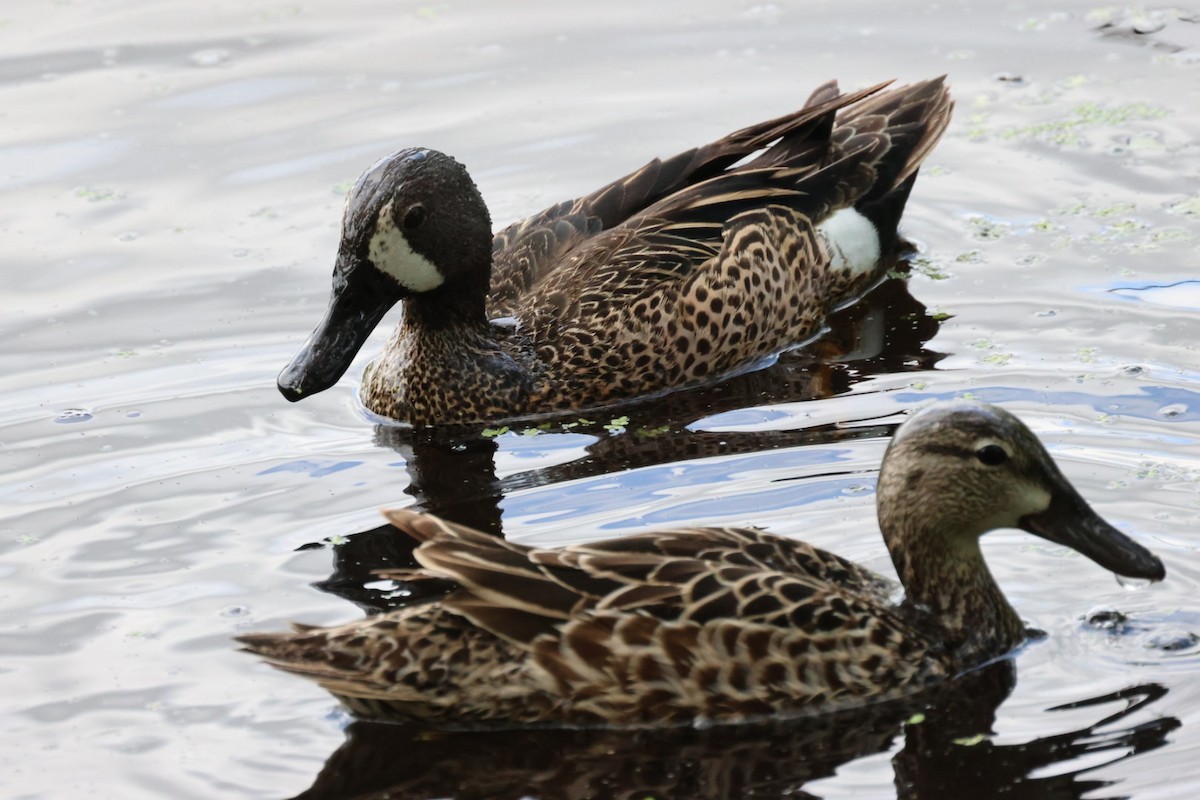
<point>722,624</point>
<point>686,270</point>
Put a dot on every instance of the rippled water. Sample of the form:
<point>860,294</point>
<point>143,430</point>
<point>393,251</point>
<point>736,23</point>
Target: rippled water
<point>173,178</point>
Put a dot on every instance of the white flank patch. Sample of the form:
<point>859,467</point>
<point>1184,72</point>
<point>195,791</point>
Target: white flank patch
<point>389,252</point>
<point>852,241</point>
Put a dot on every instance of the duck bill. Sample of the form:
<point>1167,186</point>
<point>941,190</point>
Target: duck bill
<point>1071,522</point>
<point>355,308</point>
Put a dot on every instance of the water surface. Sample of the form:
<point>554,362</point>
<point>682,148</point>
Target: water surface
<point>173,178</point>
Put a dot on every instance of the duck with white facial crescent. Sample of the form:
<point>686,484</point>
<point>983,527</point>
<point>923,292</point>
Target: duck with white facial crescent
<point>689,269</point>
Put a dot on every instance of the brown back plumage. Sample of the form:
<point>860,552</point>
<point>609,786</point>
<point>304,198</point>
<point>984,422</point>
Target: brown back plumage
<point>645,630</point>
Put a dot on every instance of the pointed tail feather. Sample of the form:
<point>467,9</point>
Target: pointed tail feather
<point>904,124</point>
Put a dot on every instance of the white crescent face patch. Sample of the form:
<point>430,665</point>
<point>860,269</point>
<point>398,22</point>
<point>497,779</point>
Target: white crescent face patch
<point>851,240</point>
<point>390,252</point>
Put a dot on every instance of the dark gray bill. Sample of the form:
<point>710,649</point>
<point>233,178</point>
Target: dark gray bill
<point>1071,522</point>
<point>355,308</point>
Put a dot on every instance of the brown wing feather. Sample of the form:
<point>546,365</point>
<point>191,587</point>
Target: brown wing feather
<point>526,251</point>
<point>701,574</point>
<point>648,629</point>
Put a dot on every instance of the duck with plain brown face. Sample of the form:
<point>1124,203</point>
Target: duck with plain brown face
<point>725,624</point>
<point>986,470</point>
<point>687,270</point>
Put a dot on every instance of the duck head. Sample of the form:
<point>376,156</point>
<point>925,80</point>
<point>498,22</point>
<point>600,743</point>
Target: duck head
<point>414,228</point>
<point>957,470</point>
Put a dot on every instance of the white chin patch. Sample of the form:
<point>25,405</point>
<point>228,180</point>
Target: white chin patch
<point>389,251</point>
<point>851,240</point>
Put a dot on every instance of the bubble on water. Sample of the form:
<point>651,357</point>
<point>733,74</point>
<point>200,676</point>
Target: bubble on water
<point>1133,584</point>
<point>857,488</point>
<point>1150,23</point>
<point>212,57</point>
<point>1049,312</point>
<point>235,611</point>
<point>1107,619</point>
<point>1133,370</point>
<point>1172,411</point>
<point>70,415</point>
<point>127,236</point>
<point>1172,641</point>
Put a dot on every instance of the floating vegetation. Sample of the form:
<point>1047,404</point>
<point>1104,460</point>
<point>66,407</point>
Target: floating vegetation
<point>1165,471</point>
<point>1188,206</point>
<point>617,425</point>
<point>987,229</point>
<point>1081,118</point>
<point>970,741</point>
<point>927,268</point>
<point>650,433</point>
<point>1171,235</point>
<point>97,195</point>
<point>1118,225</point>
<point>1069,132</point>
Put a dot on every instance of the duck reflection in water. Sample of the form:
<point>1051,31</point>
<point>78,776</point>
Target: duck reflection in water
<point>944,752</point>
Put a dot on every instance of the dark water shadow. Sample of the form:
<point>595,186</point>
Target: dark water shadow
<point>452,472</point>
<point>943,755</point>
<point>930,765</point>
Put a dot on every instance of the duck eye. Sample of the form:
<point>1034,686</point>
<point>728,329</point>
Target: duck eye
<point>992,455</point>
<point>414,217</point>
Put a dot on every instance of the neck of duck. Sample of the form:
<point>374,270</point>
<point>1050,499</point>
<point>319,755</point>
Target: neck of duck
<point>947,583</point>
<point>450,308</point>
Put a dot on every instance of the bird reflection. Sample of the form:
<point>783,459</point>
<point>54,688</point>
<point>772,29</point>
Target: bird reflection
<point>981,770</point>
<point>943,754</point>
